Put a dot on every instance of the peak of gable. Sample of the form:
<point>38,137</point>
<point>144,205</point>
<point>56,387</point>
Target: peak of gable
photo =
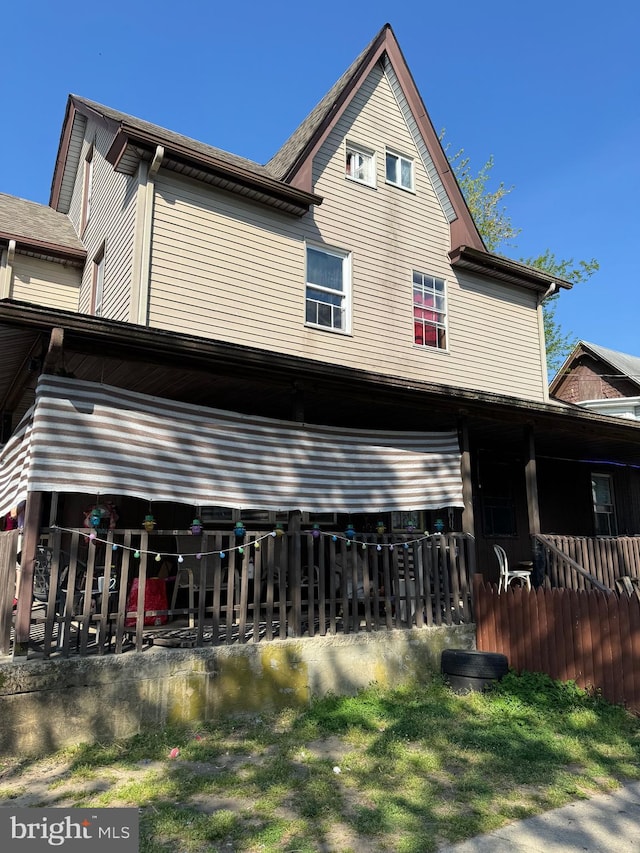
<point>293,162</point>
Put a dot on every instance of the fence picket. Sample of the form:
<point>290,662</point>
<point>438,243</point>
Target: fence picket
<point>587,636</point>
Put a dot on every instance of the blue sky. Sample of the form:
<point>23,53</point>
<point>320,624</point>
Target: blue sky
<point>550,89</point>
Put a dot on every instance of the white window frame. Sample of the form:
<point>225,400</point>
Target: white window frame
<point>367,167</point>
<point>344,294</point>
<point>399,159</point>
<point>604,512</point>
<point>87,188</point>
<point>429,284</point>
<point>97,284</point>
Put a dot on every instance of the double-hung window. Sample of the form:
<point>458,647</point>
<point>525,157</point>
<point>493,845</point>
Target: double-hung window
<point>603,506</point>
<point>429,311</point>
<point>328,289</point>
<point>97,285</point>
<point>360,165</point>
<point>399,170</point>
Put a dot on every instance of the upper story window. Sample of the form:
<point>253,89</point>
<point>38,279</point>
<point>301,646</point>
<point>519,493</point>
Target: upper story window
<point>603,505</point>
<point>97,285</point>
<point>87,188</point>
<point>360,165</point>
<point>399,170</point>
<point>429,311</point>
<point>328,291</point>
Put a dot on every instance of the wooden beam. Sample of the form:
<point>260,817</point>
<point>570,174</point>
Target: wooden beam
<point>30,540</point>
<point>468,523</point>
<point>531,482</point>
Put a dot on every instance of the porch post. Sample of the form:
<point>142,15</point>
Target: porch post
<point>295,573</point>
<point>531,480</point>
<point>468,523</point>
<point>31,534</point>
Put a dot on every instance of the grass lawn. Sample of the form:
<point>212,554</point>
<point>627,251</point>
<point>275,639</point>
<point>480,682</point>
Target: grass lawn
<point>387,770</point>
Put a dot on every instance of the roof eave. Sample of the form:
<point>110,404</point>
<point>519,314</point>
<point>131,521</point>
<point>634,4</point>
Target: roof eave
<point>296,200</point>
<point>511,272</point>
<point>44,247</point>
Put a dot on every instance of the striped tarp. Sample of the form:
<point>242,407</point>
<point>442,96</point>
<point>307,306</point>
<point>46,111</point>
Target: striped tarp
<point>97,439</point>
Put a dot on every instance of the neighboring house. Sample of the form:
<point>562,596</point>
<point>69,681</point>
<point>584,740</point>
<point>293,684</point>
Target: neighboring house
<point>601,380</point>
<point>340,288</point>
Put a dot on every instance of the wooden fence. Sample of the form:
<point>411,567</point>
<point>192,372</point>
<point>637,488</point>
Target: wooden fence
<point>581,562</point>
<point>222,589</point>
<point>587,636</point>
<point>8,552</point>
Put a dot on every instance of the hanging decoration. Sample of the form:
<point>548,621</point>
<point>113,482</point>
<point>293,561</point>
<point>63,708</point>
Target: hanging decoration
<point>316,531</point>
<point>380,528</point>
<point>101,515</point>
<point>149,522</point>
<point>438,525</point>
<point>350,536</point>
<point>196,527</point>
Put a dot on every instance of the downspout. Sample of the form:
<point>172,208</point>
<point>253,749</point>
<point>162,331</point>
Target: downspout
<point>139,306</point>
<point>6,270</point>
<point>543,346</point>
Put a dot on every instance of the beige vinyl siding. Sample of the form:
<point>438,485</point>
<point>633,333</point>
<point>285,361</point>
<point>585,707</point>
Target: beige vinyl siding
<point>46,283</point>
<point>492,329</point>
<point>231,270</point>
<point>111,223</point>
<point>69,201</point>
<point>224,268</point>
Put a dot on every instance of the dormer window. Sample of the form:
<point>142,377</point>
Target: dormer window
<point>360,165</point>
<point>399,170</point>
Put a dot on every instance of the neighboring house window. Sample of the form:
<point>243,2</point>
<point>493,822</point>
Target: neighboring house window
<point>87,188</point>
<point>603,506</point>
<point>360,165</point>
<point>429,311</point>
<point>97,288</point>
<point>328,289</point>
<point>399,170</point>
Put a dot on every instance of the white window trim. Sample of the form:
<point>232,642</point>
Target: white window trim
<point>87,188</point>
<point>445,325</point>
<point>353,147</point>
<point>611,516</point>
<point>393,153</point>
<point>346,283</point>
<point>97,284</point>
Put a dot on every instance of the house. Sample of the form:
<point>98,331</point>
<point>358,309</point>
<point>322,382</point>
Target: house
<point>317,342</point>
<point>601,380</point>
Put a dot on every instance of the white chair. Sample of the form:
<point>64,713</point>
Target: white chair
<point>507,575</point>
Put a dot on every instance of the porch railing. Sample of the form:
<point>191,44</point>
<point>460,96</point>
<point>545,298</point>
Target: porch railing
<point>224,589</point>
<point>577,562</point>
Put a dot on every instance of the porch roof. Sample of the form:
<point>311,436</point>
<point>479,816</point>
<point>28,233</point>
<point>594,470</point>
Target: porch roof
<point>92,438</point>
<point>247,379</point>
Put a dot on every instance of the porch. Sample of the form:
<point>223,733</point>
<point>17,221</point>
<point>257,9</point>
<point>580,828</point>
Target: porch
<point>228,587</point>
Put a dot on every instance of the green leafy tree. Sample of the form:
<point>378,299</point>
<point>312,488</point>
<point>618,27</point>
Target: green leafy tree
<point>495,226</point>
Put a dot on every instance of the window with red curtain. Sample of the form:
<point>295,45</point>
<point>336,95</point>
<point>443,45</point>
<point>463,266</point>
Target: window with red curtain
<point>429,311</point>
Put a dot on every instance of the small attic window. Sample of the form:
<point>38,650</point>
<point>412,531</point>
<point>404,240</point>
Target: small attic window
<point>360,165</point>
<point>399,170</point>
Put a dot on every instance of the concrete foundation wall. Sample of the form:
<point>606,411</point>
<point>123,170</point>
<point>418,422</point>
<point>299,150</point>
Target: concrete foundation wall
<point>48,704</point>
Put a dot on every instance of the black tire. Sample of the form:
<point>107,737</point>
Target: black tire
<point>463,662</point>
<point>466,683</point>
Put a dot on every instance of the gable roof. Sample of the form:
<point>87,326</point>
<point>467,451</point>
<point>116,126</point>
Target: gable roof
<point>136,138</point>
<point>38,228</point>
<point>293,162</point>
<point>628,366</point>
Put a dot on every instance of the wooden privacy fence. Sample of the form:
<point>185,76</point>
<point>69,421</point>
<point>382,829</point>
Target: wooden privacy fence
<point>583,562</point>
<point>587,636</point>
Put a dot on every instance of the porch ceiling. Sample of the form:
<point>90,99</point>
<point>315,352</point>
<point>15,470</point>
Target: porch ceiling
<point>242,379</point>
